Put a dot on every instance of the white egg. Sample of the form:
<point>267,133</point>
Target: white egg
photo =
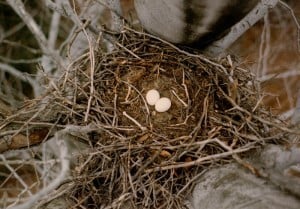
<point>163,104</point>
<point>152,96</point>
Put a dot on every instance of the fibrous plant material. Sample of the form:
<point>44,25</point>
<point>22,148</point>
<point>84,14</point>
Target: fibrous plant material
<point>139,157</point>
<point>149,159</point>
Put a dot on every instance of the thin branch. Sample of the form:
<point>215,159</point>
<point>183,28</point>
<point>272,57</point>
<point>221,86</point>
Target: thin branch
<point>65,164</point>
<point>264,48</point>
<point>241,27</point>
<point>294,18</point>
<point>18,74</point>
<point>134,121</point>
<point>26,189</point>
<point>54,28</point>
<point>199,160</point>
<point>19,8</point>
<point>55,7</point>
<point>52,37</point>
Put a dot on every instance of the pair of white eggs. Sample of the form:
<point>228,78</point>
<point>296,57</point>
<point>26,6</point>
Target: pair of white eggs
<point>161,104</point>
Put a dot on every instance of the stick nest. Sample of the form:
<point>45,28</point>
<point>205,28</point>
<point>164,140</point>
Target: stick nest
<point>149,159</point>
<point>141,158</point>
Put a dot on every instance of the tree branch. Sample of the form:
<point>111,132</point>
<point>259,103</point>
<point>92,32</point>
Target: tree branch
<point>241,27</point>
<point>65,166</point>
<point>19,8</point>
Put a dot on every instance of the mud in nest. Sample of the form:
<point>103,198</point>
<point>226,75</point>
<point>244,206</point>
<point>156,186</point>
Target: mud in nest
<point>140,158</point>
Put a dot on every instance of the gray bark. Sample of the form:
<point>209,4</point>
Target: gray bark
<point>232,186</point>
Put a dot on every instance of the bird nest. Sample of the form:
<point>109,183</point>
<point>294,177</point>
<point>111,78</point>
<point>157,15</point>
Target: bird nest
<point>143,158</point>
<point>150,159</point>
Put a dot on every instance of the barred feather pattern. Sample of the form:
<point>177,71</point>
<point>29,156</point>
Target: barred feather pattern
<point>191,22</point>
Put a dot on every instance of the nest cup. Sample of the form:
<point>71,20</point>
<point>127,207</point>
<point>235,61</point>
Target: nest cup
<point>141,158</point>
